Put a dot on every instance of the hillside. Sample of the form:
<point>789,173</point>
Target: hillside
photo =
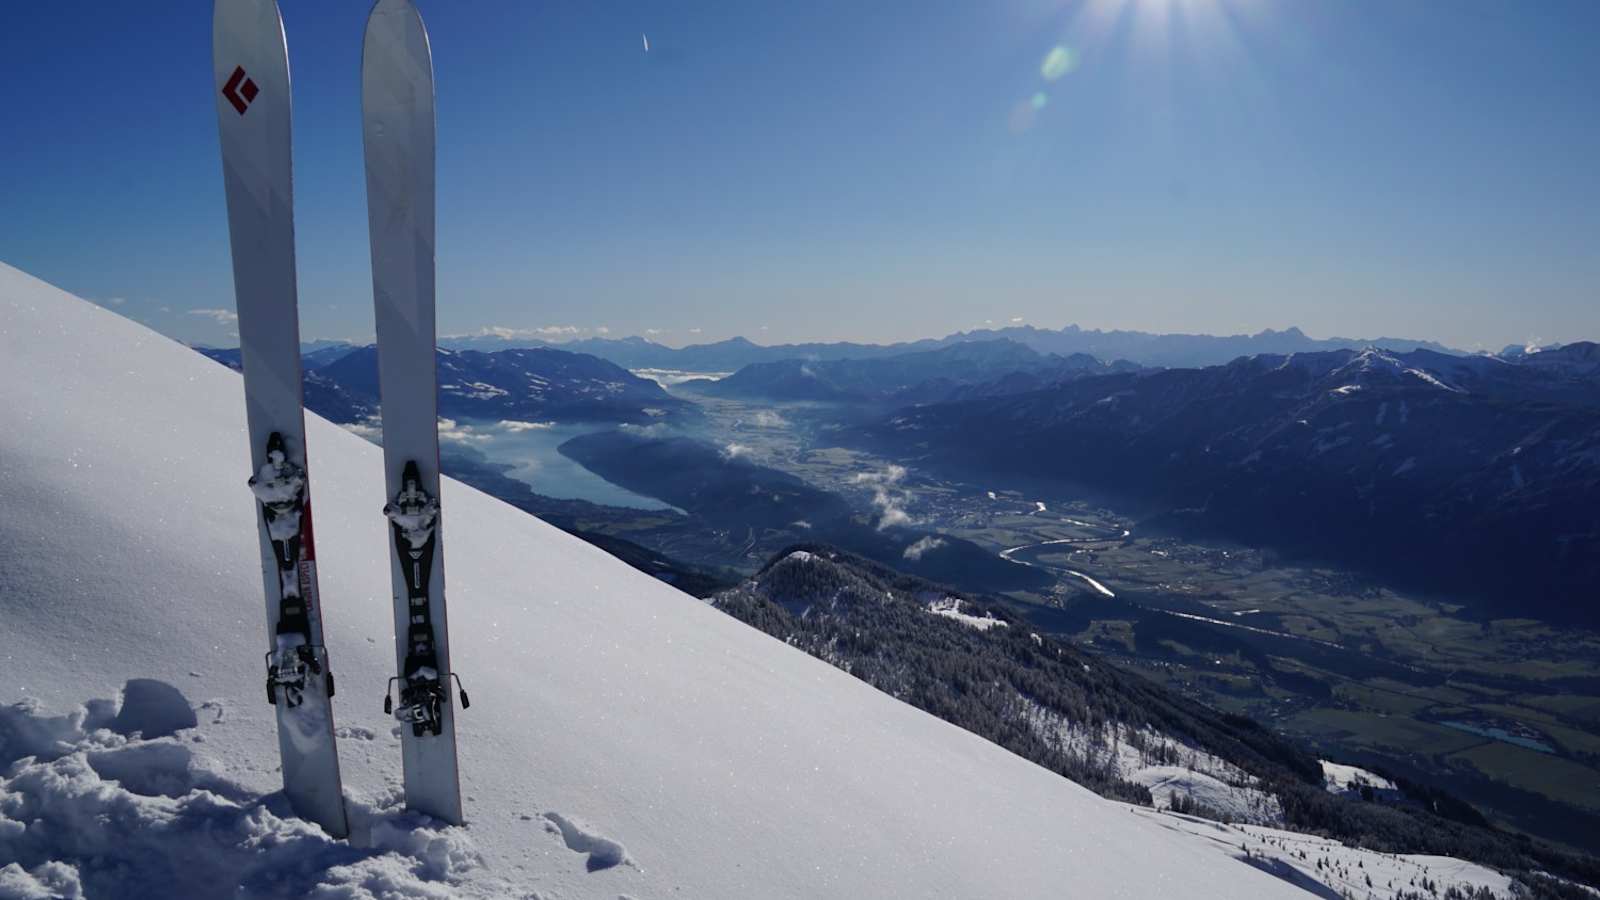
<point>624,738</point>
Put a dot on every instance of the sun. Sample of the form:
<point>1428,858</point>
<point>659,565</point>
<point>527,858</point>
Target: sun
<point>1150,24</point>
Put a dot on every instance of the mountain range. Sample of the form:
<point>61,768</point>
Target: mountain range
<point>925,376</point>
<point>1475,477</point>
<point>528,384</point>
<point>1144,348</point>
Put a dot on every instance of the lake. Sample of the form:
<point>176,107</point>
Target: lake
<point>532,454</point>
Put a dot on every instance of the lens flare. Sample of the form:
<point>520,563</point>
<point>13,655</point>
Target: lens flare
<point>1058,62</point>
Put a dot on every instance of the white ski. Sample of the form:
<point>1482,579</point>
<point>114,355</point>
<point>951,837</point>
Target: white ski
<point>398,132</point>
<point>252,82</point>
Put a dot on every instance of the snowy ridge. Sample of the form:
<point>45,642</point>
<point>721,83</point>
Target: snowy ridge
<point>1373,361</point>
<point>727,764</point>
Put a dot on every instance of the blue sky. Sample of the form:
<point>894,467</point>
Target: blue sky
<point>875,171</point>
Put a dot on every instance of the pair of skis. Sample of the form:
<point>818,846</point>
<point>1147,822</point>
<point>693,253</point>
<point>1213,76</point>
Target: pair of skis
<point>253,112</point>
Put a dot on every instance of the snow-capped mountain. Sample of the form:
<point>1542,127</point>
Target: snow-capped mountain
<point>1472,474</point>
<point>531,384</point>
<point>922,377</point>
<point>1144,348</point>
<point>535,384</point>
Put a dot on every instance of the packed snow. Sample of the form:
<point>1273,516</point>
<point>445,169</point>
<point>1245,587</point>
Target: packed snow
<point>624,739</point>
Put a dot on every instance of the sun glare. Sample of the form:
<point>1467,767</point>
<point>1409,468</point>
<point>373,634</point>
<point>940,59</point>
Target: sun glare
<point>1150,35</point>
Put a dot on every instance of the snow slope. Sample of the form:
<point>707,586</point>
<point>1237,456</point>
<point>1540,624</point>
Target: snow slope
<point>624,739</point>
<point>1328,868</point>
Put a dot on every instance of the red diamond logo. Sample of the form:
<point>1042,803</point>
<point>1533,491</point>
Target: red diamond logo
<point>238,84</point>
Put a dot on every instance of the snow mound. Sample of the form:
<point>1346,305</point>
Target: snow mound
<point>602,851</point>
<point>731,764</point>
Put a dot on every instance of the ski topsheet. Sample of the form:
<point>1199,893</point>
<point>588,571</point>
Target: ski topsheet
<point>253,110</point>
<point>398,132</point>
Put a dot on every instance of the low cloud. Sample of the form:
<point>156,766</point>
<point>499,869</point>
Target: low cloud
<point>656,330</point>
<point>220,316</point>
<point>451,430</point>
<point>766,418</point>
<point>114,301</point>
<point>1016,320</point>
<point>516,427</point>
<point>507,333</point>
<point>923,545</point>
<point>601,329</point>
<point>694,331</point>
<point>371,429</point>
<point>734,451</point>
<point>653,430</point>
<point>889,496</point>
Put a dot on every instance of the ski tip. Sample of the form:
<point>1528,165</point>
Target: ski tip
<point>385,9</point>
<point>395,30</point>
<point>247,34</point>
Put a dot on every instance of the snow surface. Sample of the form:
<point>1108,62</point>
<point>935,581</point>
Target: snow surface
<point>950,608</point>
<point>624,738</point>
<point>1218,785</point>
<point>1327,868</point>
<point>1339,778</point>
